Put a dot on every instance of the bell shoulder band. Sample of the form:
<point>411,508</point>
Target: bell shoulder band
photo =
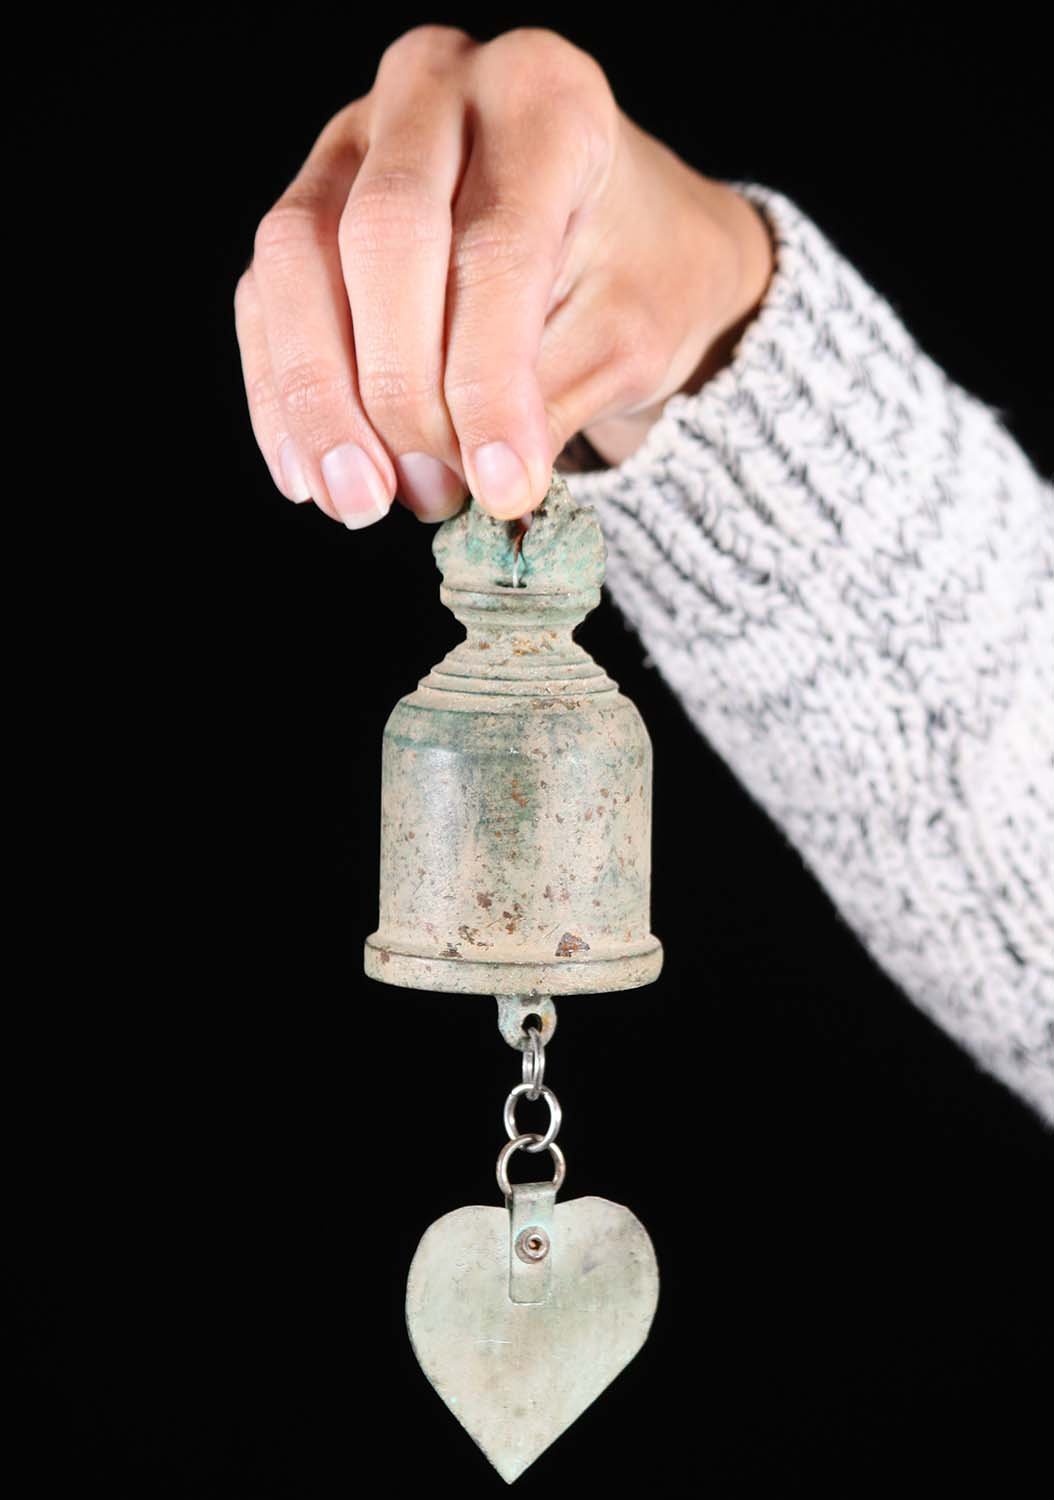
<point>842,563</point>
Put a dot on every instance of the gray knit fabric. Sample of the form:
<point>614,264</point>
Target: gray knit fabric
<point>841,562</point>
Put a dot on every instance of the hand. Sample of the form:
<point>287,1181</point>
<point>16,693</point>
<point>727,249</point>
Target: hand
<point>480,258</point>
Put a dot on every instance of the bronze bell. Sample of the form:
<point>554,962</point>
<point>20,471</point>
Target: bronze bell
<point>516,795</point>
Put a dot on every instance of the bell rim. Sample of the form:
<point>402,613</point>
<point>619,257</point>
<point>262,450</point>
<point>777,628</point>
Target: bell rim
<point>475,976</point>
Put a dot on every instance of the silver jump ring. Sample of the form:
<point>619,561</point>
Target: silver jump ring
<point>533,1062</point>
<point>510,1147</point>
<point>555,1115</point>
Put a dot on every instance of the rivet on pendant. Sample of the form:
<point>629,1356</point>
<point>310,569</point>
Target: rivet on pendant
<point>532,1244</point>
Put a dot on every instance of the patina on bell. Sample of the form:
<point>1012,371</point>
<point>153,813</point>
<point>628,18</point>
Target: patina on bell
<point>516,796</point>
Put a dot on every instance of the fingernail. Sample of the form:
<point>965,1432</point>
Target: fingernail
<point>431,490</point>
<point>354,485</point>
<point>292,474</point>
<point>502,484</point>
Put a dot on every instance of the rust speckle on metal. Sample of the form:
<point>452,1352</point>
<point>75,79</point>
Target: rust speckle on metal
<point>497,772</point>
<point>570,944</point>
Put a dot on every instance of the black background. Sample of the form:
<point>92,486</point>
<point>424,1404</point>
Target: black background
<point>224,1142</point>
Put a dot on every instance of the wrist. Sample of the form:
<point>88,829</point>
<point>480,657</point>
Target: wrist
<point>751,258</point>
<point>739,251</point>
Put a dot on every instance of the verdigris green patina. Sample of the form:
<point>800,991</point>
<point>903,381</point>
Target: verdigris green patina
<point>516,781</point>
<point>517,1373</point>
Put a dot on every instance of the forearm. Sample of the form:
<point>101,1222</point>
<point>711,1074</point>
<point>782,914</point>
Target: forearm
<point>842,564</point>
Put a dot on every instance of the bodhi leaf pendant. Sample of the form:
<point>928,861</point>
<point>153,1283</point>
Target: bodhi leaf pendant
<point>520,1317</point>
<point>515,862</point>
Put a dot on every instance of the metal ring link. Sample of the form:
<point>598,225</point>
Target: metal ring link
<point>511,1147</point>
<point>555,1115</point>
<point>533,1062</point>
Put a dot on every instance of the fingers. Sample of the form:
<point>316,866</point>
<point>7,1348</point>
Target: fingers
<point>265,410</point>
<point>538,144</point>
<point>393,317</point>
<point>395,250</point>
<point>508,227</point>
<point>296,269</point>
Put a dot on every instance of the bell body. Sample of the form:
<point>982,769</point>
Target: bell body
<point>516,784</point>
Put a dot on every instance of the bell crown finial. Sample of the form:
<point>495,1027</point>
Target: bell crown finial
<point>562,552</point>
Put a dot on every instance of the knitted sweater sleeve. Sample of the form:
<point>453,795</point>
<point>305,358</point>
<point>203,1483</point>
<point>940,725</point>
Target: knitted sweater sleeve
<point>842,563</point>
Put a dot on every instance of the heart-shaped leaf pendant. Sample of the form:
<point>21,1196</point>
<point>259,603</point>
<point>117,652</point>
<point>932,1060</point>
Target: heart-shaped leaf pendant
<point>516,1374</point>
